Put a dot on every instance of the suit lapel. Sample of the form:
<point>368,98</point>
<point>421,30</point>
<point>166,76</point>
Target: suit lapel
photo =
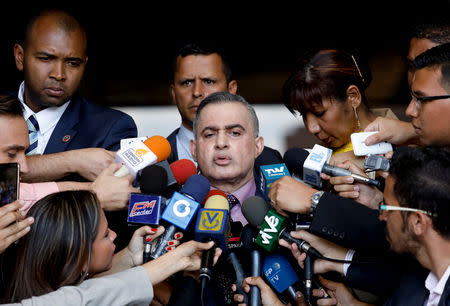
<point>65,131</point>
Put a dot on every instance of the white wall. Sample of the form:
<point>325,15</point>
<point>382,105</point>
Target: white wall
<point>275,122</point>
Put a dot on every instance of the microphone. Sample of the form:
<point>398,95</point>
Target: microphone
<point>272,225</point>
<point>235,243</point>
<point>176,174</point>
<point>269,174</point>
<point>248,238</point>
<point>181,209</point>
<point>138,155</point>
<point>212,225</point>
<point>214,192</point>
<point>146,208</point>
<point>153,179</point>
<point>183,169</point>
<point>281,275</point>
<point>310,165</point>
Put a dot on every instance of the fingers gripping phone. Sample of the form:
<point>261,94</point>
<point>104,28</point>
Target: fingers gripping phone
<point>9,183</point>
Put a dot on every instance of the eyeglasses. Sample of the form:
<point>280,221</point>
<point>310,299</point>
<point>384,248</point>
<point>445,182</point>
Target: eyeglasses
<point>419,100</point>
<point>382,207</point>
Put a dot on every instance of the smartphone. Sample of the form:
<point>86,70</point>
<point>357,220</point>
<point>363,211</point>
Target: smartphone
<point>9,183</point>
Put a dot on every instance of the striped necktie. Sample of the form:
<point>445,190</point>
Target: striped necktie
<point>33,129</point>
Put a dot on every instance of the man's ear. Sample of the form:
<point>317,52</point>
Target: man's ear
<point>259,145</point>
<point>193,147</point>
<point>232,87</point>
<point>419,223</point>
<point>19,54</point>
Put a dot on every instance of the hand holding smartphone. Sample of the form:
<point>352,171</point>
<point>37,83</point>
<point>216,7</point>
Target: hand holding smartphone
<point>9,183</point>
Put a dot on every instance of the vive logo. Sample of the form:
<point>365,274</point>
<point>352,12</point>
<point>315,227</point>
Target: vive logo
<point>211,220</point>
<point>274,170</point>
<point>272,222</point>
<point>142,208</point>
<point>181,208</point>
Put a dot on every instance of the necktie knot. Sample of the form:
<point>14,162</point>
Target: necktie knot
<point>33,125</point>
<point>232,200</point>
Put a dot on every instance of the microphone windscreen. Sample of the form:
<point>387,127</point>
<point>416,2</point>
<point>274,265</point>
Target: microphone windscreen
<point>197,186</point>
<point>294,158</point>
<point>182,169</point>
<point>254,210</point>
<point>160,146</point>
<point>248,235</point>
<point>217,202</point>
<point>153,180</point>
<point>213,192</point>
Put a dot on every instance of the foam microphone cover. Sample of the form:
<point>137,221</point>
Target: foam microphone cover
<point>254,210</point>
<point>182,169</point>
<point>197,187</point>
<point>214,192</point>
<point>153,180</point>
<point>160,146</point>
<point>294,158</point>
<point>217,202</point>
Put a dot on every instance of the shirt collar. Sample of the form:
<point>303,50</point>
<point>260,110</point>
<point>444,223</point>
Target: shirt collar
<point>185,134</point>
<point>245,191</point>
<point>46,118</point>
<point>435,285</point>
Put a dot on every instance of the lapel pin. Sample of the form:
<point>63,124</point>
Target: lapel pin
<point>66,138</point>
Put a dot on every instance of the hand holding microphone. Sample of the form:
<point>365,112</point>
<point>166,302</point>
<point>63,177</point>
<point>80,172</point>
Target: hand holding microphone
<point>309,166</point>
<point>141,154</point>
<point>326,248</point>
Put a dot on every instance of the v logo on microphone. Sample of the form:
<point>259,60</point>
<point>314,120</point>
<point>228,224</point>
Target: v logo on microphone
<point>211,220</point>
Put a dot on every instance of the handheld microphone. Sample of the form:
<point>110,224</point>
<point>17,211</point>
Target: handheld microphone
<point>183,169</point>
<point>153,179</point>
<point>248,238</point>
<point>214,192</point>
<point>272,225</point>
<point>310,165</point>
<point>212,225</point>
<point>269,174</point>
<point>146,208</point>
<point>181,209</point>
<point>176,175</point>
<point>138,155</point>
<point>281,275</point>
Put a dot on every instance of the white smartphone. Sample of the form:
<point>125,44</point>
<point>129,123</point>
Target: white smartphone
<point>9,183</point>
<point>361,149</point>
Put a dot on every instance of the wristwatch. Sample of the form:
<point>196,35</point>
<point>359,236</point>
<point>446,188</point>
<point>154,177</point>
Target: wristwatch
<point>315,198</point>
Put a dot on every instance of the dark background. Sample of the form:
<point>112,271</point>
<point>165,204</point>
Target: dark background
<point>130,44</point>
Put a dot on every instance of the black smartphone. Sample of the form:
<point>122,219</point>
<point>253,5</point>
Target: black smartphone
<point>9,183</point>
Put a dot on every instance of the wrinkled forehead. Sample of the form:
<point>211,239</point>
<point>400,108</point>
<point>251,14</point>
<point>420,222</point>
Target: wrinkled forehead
<point>224,114</point>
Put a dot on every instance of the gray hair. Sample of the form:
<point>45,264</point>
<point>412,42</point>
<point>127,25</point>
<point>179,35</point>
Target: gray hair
<point>226,97</point>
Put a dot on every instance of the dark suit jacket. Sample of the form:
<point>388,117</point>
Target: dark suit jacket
<point>267,157</point>
<point>348,223</point>
<point>86,125</point>
<point>399,278</point>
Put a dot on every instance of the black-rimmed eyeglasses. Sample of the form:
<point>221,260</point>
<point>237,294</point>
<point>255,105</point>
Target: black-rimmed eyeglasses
<point>419,100</point>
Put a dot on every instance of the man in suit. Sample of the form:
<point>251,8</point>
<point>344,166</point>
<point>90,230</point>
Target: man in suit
<point>416,212</point>
<point>72,134</point>
<point>225,148</point>
<point>196,73</point>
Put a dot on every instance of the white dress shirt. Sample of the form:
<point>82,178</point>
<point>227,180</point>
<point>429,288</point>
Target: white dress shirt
<point>46,118</point>
<point>436,287</point>
<point>184,137</point>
